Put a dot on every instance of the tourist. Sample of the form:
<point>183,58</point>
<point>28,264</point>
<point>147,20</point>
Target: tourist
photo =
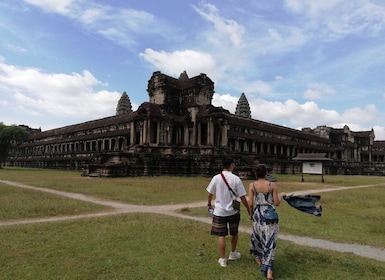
<point>226,187</point>
<point>263,194</point>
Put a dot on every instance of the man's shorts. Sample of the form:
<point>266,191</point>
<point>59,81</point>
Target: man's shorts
<point>219,226</point>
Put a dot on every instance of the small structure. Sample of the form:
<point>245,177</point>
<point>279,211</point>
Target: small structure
<point>312,163</point>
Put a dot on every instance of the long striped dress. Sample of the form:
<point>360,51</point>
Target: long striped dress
<point>263,241</point>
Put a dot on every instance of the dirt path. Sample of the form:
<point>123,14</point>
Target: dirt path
<point>120,208</point>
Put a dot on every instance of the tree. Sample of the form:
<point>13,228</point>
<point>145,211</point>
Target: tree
<point>9,136</point>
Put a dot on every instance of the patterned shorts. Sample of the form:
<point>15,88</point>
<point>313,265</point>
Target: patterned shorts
<point>221,225</point>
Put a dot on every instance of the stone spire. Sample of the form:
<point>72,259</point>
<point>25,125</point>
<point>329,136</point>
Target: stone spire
<point>243,107</point>
<point>183,76</point>
<point>124,105</point>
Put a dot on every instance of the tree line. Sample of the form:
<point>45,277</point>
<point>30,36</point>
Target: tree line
<point>10,135</point>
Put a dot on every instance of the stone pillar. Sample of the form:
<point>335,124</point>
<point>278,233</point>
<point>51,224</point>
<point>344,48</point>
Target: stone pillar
<point>224,134</point>
<point>158,132</point>
<point>199,134</point>
<point>236,147</point>
<point>132,133</point>
<point>210,132</point>
<point>145,131</point>
<point>186,141</point>
<point>193,113</point>
<point>169,134</point>
<point>194,134</point>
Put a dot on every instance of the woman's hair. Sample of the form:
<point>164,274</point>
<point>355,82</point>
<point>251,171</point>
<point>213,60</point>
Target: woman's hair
<point>261,170</point>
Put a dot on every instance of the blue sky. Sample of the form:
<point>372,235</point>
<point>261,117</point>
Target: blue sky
<point>301,63</point>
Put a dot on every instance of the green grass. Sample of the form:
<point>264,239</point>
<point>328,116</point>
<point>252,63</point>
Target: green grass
<point>18,203</point>
<point>148,246</point>
<point>133,190</point>
<point>141,246</point>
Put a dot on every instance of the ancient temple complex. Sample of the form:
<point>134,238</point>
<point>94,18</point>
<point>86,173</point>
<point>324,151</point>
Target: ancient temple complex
<point>179,132</point>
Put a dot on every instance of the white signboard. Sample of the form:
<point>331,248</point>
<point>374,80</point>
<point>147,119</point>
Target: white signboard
<point>311,167</point>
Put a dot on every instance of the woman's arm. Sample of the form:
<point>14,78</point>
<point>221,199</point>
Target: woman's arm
<point>251,198</point>
<point>276,197</point>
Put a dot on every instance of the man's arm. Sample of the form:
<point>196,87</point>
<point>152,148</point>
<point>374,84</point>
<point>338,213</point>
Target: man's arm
<point>245,203</point>
<point>209,198</point>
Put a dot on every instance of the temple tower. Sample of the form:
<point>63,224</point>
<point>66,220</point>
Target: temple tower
<point>124,105</point>
<point>243,107</point>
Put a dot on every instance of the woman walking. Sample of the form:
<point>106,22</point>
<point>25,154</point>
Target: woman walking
<point>263,195</point>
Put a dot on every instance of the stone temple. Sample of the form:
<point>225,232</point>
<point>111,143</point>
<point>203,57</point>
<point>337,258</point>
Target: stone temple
<point>179,132</point>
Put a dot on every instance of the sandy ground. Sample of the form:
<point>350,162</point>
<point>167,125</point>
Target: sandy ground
<point>119,208</point>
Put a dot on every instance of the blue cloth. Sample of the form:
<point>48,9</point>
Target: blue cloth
<point>305,203</point>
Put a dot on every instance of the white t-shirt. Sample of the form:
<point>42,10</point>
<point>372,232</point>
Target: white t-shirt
<point>223,196</point>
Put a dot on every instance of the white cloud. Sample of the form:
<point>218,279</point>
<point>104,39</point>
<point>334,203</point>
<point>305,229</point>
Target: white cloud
<point>379,132</point>
<point>4,103</point>
<point>339,17</point>
<point>225,101</point>
<point>224,28</point>
<point>290,113</point>
<point>318,90</point>
<point>368,114</point>
<point>38,93</point>
<point>119,25</point>
<point>257,87</point>
<point>312,8</point>
<point>57,6</point>
<point>176,62</point>
<point>16,49</point>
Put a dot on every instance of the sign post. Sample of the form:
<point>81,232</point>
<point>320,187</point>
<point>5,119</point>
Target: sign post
<point>312,164</point>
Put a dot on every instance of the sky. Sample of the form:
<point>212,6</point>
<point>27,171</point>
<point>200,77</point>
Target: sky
<point>300,63</point>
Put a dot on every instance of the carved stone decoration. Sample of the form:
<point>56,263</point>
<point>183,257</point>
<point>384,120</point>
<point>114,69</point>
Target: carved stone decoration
<point>243,107</point>
<point>124,105</point>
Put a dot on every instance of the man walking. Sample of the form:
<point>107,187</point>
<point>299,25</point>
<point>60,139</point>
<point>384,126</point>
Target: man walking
<point>226,187</point>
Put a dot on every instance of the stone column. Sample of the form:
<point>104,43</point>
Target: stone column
<point>199,135</point>
<point>186,136</point>
<point>132,133</point>
<point>210,132</point>
<point>158,132</point>
<point>193,113</point>
<point>169,134</point>
<point>224,134</point>
<point>145,131</point>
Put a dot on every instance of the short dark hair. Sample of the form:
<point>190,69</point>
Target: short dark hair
<point>261,170</point>
<point>227,161</point>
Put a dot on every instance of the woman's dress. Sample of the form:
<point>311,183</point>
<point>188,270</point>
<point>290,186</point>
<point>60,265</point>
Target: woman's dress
<point>264,237</point>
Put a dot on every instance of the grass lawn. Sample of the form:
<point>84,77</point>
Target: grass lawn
<point>142,246</point>
<point>150,246</point>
